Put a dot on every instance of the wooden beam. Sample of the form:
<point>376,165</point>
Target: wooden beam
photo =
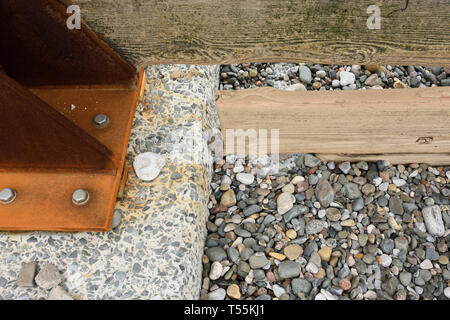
<point>234,31</point>
<point>404,125</point>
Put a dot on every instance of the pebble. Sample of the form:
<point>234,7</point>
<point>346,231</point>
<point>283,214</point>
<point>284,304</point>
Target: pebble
<point>218,294</point>
<point>233,291</point>
<point>347,78</point>
<point>284,203</point>
<point>345,284</point>
<point>216,270</point>
<point>433,220</point>
<point>293,251</point>
<point>258,260</point>
<point>345,167</point>
<point>305,74</point>
<point>324,192</point>
<point>48,277</point>
<point>289,269</point>
<point>27,274</point>
<point>58,293</point>
<point>447,292</point>
<point>315,226</point>
<point>426,264</point>
<point>351,191</point>
<point>344,231</point>
<point>148,165</point>
<point>245,178</point>
<point>228,198</point>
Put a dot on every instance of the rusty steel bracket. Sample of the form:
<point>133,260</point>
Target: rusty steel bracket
<point>67,103</point>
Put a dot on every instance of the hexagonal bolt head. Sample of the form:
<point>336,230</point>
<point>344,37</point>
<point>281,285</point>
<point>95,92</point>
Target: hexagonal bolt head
<point>7,195</point>
<point>101,121</point>
<point>80,197</point>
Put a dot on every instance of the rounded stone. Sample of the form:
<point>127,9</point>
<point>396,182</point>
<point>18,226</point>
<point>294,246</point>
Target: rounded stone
<point>345,284</point>
<point>333,214</point>
<point>293,251</point>
<point>258,260</point>
<point>117,218</point>
<point>228,198</point>
<point>233,291</point>
<point>289,269</point>
<point>216,254</point>
<point>218,294</point>
<point>216,270</point>
<point>325,253</point>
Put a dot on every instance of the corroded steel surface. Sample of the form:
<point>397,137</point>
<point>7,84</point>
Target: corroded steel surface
<point>53,82</point>
<point>39,50</point>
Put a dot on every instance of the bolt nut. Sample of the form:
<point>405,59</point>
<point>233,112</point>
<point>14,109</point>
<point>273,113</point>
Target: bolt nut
<point>101,121</point>
<point>7,195</point>
<point>80,197</point>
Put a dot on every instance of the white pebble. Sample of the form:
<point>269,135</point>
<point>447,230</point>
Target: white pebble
<point>347,78</point>
<point>377,181</point>
<point>433,220</point>
<point>447,292</point>
<point>216,270</point>
<point>245,178</point>
<point>384,186</point>
<point>148,165</point>
<point>385,260</point>
<point>398,182</point>
<point>426,264</point>
<point>278,290</point>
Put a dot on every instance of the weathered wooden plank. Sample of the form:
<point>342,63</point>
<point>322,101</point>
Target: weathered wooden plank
<point>234,31</point>
<point>343,123</point>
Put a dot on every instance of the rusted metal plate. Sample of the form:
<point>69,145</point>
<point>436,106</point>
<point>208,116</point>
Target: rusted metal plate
<point>33,135</point>
<point>53,83</point>
<point>81,106</point>
<point>39,50</point>
<point>44,201</point>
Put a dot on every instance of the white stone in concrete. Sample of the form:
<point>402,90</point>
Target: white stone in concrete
<point>148,165</point>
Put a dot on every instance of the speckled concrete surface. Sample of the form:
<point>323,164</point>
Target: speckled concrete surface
<point>155,253</point>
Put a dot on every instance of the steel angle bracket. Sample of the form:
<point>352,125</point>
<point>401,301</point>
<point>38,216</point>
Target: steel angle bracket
<point>67,103</point>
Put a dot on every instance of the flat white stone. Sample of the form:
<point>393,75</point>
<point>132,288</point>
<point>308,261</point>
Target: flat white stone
<point>216,270</point>
<point>245,178</point>
<point>278,291</point>
<point>347,78</point>
<point>426,264</point>
<point>148,165</point>
<point>385,260</point>
<point>447,292</point>
<point>285,202</point>
<point>433,220</point>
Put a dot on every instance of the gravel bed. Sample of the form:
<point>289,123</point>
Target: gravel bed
<point>303,77</point>
<point>327,231</point>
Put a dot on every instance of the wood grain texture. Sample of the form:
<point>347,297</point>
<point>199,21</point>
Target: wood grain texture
<point>345,123</point>
<point>235,31</point>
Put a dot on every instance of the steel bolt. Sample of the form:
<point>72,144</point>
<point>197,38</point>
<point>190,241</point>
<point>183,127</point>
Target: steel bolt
<point>101,121</point>
<point>7,196</point>
<point>80,197</point>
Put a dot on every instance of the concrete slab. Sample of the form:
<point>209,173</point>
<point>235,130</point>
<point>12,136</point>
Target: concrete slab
<point>155,252</point>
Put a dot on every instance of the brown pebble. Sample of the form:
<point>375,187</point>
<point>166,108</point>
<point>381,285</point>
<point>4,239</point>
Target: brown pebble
<point>345,284</point>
